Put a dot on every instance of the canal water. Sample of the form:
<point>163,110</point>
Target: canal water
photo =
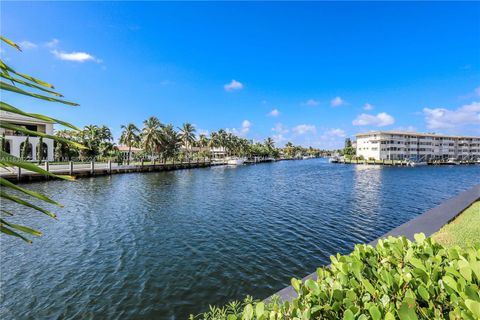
<point>164,245</point>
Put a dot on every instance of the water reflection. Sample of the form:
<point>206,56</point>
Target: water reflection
<point>163,245</point>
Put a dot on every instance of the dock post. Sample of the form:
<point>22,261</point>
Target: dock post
<point>19,173</point>
<point>109,166</point>
<point>71,168</point>
<point>47,167</point>
<point>92,167</point>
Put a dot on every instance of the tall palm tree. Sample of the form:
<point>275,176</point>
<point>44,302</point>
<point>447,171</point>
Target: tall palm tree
<point>187,135</point>
<point>170,142</point>
<point>203,141</point>
<point>130,137</point>
<point>269,146</point>
<point>150,136</point>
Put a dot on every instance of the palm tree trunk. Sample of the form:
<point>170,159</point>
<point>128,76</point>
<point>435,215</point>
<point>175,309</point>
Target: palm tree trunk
<point>129,151</point>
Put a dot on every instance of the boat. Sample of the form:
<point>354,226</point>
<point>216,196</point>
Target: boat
<point>235,161</point>
<point>333,160</point>
<point>416,163</point>
<point>453,161</point>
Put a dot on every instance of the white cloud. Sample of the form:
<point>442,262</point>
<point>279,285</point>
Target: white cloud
<point>26,45</point>
<point>380,120</point>
<point>233,85</point>
<point>280,128</point>
<point>339,133</point>
<point>304,128</point>
<point>52,43</point>
<point>74,56</point>
<point>337,102</point>
<point>311,103</point>
<point>441,118</point>
<point>244,129</point>
<point>274,113</point>
<point>367,106</point>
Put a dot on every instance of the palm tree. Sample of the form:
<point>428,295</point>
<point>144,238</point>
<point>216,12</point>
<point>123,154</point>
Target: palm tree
<point>187,135</point>
<point>203,141</point>
<point>269,145</point>
<point>130,137</point>
<point>150,136</point>
<point>170,142</point>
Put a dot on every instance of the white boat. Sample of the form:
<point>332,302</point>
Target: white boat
<point>417,163</point>
<point>333,159</point>
<point>453,161</point>
<point>235,161</point>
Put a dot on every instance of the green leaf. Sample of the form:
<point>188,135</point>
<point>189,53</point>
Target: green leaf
<point>10,161</point>
<point>6,68</point>
<point>10,42</point>
<point>33,232</point>
<point>25,203</point>
<point>348,315</point>
<point>295,284</point>
<point>28,84</point>
<point>9,108</point>
<point>375,313</point>
<point>422,291</point>
<point>368,286</point>
<point>10,232</point>
<point>247,312</point>
<point>389,316</point>
<point>419,238</point>
<point>14,127</point>
<point>34,194</point>
<point>449,281</point>
<point>259,309</point>
<point>9,87</point>
<point>407,310</point>
<point>474,307</point>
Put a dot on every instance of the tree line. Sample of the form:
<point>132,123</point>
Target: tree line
<point>165,142</point>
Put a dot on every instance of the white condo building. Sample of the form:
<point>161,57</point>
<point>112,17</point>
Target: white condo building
<point>398,145</point>
<point>14,141</point>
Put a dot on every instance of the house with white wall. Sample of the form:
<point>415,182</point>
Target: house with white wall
<point>14,141</point>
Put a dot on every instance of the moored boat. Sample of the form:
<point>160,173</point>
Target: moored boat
<point>416,163</point>
<point>453,161</point>
<point>235,161</point>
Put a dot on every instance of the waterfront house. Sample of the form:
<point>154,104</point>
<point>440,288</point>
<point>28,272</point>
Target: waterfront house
<point>14,141</point>
<point>401,145</point>
<point>125,149</point>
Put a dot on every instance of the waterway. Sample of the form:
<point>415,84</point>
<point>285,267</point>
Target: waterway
<point>164,245</point>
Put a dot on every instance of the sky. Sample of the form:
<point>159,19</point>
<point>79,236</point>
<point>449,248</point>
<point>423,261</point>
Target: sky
<point>312,73</point>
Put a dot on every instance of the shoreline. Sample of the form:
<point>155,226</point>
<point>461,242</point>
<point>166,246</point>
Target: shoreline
<point>92,169</point>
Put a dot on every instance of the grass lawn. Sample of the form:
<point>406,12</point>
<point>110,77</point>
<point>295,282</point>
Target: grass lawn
<point>463,231</point>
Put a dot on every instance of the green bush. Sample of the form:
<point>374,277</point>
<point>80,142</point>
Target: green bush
<point>398,279</point>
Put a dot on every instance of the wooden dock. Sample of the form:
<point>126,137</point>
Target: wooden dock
<point>79,170</point>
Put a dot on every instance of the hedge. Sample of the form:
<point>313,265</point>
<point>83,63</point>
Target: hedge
<point>397,279</point>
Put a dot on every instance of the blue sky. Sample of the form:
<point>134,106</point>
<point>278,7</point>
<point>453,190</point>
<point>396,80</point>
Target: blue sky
<point>311,73</point>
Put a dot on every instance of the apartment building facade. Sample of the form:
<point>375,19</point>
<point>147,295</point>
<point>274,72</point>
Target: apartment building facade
<point>14,141</point>
<point>399,145</point>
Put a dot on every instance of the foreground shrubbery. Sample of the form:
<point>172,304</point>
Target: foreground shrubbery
<point>398,279</point>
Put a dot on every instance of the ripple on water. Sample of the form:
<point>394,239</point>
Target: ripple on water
<point>163,245</point>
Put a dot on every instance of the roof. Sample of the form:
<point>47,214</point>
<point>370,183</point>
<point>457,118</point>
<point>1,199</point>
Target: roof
<point>17,118</point>
<point>411,133</point>
<point>125,148</point>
